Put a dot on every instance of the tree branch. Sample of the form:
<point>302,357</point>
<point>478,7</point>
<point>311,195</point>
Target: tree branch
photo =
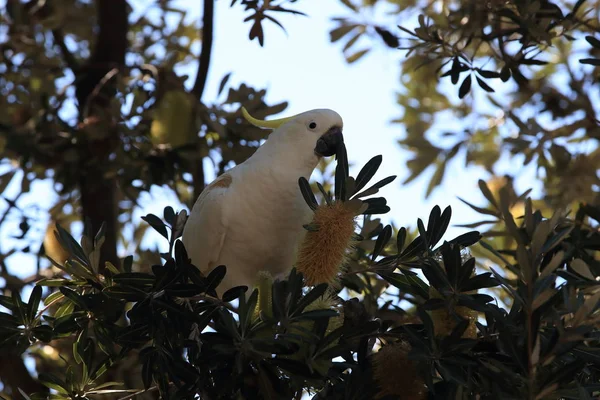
<point>200,83</point>
<point>59,40</point>
<point>14,375</point>
<point>205,53</point>
<point>94,93</point>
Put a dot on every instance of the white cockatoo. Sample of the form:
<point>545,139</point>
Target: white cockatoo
<point>251,217</point>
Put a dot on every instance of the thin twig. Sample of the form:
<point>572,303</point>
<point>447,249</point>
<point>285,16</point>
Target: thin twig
<point>59,39</point>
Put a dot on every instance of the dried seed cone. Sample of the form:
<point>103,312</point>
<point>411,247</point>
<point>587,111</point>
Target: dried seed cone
<point>444,322</point>
<point>396,375</point>
<point>323,251</point>
<point>52,246</point>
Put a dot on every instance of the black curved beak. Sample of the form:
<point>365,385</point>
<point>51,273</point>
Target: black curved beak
<point>328,144</point>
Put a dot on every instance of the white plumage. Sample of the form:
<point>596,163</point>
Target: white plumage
<point>250,218</point>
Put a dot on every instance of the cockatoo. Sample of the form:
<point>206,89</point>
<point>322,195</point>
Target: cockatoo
<point>251,217</point>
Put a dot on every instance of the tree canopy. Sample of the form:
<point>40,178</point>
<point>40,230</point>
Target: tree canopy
<point>92,101</point>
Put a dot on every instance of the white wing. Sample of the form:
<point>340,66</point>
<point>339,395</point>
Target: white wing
<point>205,229</point>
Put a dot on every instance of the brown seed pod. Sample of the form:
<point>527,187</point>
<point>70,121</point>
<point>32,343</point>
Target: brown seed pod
<point>52,246</point>
<point>324,249</point>
<point>396,375</point>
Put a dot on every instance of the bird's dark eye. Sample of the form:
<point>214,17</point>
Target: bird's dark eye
<point>312,125</point>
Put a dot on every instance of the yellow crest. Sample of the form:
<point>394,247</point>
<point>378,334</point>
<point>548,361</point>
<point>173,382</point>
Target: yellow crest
<point>272,124</point>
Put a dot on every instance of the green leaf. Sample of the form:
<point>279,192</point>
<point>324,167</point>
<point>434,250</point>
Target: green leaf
<point>214,278</point>
<point>234,293</point>
<point>74,297</point>
<point>52,297</point>
<point>127,263</point>
<point>467,239</point>
<point>52,382</point>
<point>34,302</point>
<point>8,319</point>
<point>479,209</point>
<point>436,231</point>
<point>169,215</point>
<point>367,172</point>
<point>487,193</point>
<point>484,85</point>
<point>356,56</point>
<point>381,242</point>
<point>307,193</point>
<point>324,193</point>
<point>465,87</point>
<point>43,333</point>
<point>341,173</point>
<point>485,280</point>
<point>157,224</point>
<point>316,314</point>
<point>55,283</point>
<point>400,239</point>
<point>341,31</point>
<point>593,41</point>
<point>134,279</point>
<point>221,87</point>
<point>246,309</point>
<point>19,309</point>
<point>65,308</point>
<point>310,297</point>
<point>70,244</point>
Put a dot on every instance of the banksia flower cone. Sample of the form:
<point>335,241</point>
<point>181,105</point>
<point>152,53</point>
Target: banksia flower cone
<point>264,284</point>
<point>396,375</point>
<point>324,249</point>
<point>52,246</point>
